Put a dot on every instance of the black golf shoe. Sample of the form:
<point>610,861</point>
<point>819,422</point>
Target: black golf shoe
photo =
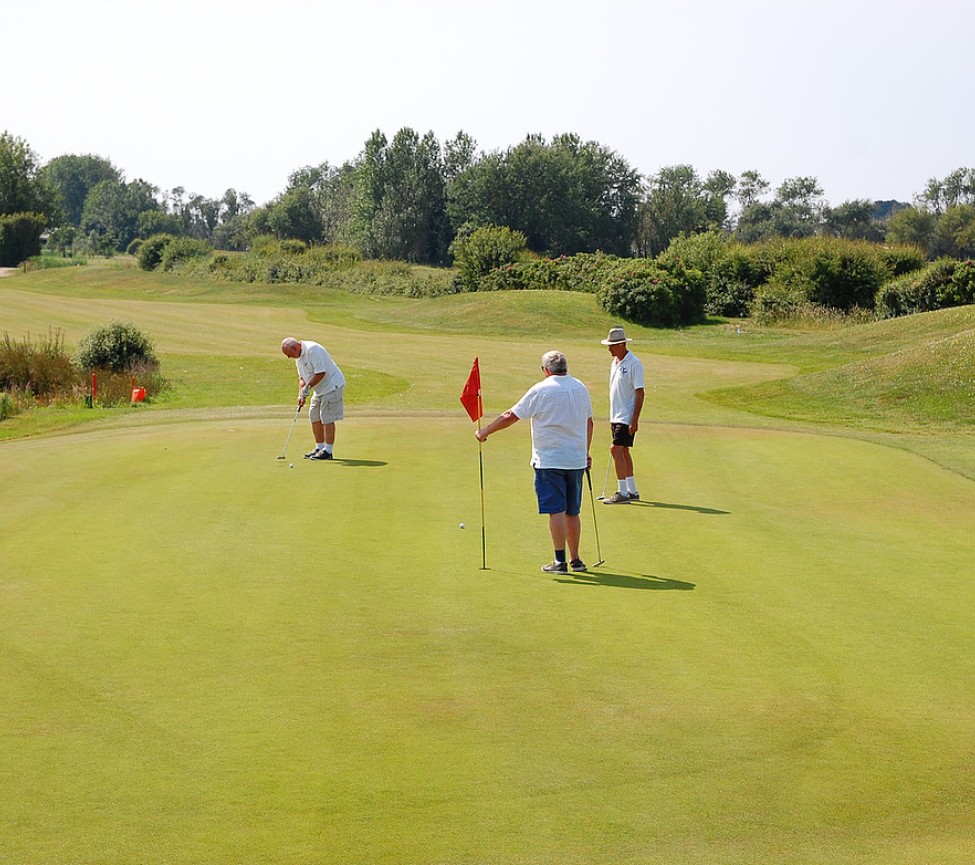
<point>320,455</point>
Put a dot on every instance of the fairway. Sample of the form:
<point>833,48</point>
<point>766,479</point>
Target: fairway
<point>208,656</point>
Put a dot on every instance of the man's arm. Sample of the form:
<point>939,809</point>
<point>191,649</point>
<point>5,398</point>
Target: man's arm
<point>502,421</point>
<point>637,408</point>
<point>589,427</point>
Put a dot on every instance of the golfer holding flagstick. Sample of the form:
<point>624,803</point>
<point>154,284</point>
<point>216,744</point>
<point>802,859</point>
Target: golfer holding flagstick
<point>560,411</point>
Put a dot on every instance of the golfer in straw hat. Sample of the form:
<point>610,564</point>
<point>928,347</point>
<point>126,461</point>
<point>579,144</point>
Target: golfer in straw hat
<point>625,404</point>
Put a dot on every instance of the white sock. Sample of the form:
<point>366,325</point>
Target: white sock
<point>327,448</point>
<point>631,485</point>
<point>622,486</point>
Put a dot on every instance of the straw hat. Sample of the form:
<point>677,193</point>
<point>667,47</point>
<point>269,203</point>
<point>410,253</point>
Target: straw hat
<point>616,336</point>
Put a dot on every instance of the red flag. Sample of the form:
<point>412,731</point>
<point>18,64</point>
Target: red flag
<point>470,397</point>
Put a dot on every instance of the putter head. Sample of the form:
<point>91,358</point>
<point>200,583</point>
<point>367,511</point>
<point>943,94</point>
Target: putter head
<point>600,562</point>
<point>282,457</point>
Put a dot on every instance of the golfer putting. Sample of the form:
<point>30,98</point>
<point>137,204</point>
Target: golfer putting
<point>321,377</point>
<point>560,411</point>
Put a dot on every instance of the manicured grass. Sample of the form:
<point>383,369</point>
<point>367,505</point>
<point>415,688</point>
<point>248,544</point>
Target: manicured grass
<point>215,657</point>
<point>208,656</point>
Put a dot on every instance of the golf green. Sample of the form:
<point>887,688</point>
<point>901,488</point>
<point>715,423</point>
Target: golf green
<point>209,656</point>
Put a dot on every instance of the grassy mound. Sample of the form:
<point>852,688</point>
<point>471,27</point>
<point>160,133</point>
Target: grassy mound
<point>920,375</point>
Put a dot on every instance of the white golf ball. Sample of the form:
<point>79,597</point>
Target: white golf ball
<point>462,525</point>
<point>291,465</point>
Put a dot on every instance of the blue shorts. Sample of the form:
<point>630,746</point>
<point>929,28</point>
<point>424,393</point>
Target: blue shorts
<point>559,491</point>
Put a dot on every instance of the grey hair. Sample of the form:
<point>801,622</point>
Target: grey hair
<point>555,362</point>
<point>289,343</point>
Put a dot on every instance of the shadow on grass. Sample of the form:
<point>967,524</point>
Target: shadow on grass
<point>673,507</point>
<point>361,463</point>
<point>625,581</point>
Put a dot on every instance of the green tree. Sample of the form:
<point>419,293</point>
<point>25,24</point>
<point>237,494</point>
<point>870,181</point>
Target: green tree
<point>853,220</point>
<point>73,177</point>
<point>678,202</point>
<point>795,211</point>
<point>913,227</point>
<point>23,189</point>
<point>112,211</point>
<point>955,189</point>
<point>955,233</point>
<point>750,188</point>
<point>295,215</point>
<point>399,205</point>
<point>566,197</point>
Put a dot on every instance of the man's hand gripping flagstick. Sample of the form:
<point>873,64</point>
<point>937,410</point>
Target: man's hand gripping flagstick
<point>470,398</point>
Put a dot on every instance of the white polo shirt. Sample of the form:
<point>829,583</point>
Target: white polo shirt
<point>559,409</point>
<point>625,379</point>
<point>313,360</point>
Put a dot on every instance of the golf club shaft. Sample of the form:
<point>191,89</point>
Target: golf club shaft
<point>287,441</point>
<point>595,525</point>
<point>609,462</point>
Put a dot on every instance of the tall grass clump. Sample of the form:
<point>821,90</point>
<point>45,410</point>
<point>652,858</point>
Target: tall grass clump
<point>39,367</point>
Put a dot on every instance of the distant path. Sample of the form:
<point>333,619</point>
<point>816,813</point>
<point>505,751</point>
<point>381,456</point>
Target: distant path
<point>7,271</point>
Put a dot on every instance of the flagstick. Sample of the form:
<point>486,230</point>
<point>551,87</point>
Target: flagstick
<point>480,459</point>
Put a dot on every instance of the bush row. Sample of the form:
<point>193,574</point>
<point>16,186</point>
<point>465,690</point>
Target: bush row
<point>707,274</point>
<point>943,283</point>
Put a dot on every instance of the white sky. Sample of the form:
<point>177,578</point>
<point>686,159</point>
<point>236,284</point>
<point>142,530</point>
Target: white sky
<point>872,97</point>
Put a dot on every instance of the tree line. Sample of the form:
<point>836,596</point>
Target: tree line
<point>410,197</point>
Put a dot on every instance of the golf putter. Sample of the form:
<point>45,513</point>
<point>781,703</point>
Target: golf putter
<point>595,526</point>
<point>284,450</point>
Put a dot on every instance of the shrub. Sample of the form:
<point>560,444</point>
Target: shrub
<point>902,259</point>
<point>961,290</point>
<point>476,253</point>
<point>823,271</point>
<point>134,247</point>
<point>20,237</point>
<point>843,274</point>
<point>585,272</point>
<point>151,250</point>
<point>293,247</point>
<point>182,249</point>
<point>729,273</point>
<point>922,291</point>
<point>655,293</point>
<point>116,347</point>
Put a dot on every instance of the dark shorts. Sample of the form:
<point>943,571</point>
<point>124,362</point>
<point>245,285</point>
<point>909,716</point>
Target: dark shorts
<point>621,435</point>
<point>559,491</point>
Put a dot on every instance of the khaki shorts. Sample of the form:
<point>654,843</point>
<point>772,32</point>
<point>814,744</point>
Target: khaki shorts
<point>328,408</point>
